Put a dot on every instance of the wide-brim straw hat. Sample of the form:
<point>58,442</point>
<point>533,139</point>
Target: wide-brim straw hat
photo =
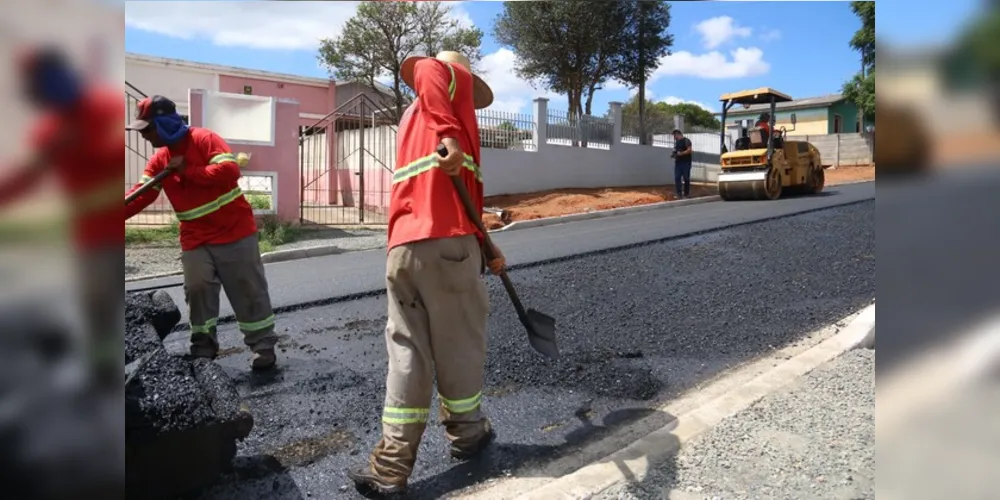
<point>482,94</point>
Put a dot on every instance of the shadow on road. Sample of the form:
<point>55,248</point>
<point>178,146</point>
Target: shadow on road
<point>504,459</point>
<point>260,476</point>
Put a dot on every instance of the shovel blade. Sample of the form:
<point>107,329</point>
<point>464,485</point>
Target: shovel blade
<point>542,333</point>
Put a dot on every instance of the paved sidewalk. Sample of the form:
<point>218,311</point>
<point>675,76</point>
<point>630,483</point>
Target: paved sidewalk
<point>814,439</point>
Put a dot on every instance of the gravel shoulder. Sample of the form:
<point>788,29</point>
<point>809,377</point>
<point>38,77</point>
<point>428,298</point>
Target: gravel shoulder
<point>164,257</point>
<point>814,439</point>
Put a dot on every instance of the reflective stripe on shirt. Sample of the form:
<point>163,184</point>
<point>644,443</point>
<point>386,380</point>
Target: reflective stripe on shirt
<point>211,206</point>
<point>98,198</point>
<point>428,162</point>
<point>217,203</point>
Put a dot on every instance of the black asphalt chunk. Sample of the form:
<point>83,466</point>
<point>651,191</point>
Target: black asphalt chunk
<point>169,396</point>
<point>636,327</point>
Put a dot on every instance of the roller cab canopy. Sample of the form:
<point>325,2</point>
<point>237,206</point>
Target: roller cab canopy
<point>755,96</point>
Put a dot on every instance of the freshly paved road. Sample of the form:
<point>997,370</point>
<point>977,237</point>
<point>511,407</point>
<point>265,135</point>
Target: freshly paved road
<point>320,280</point>
<point>636,327</point>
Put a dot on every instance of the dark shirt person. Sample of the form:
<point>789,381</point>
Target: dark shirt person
<point>682,165</point>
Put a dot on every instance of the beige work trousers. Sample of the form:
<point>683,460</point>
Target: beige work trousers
<point>237,268</point>
<point>438,306</point>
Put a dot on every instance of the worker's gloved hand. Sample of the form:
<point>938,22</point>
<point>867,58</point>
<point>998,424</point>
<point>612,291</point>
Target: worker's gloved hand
<point>452,163</point>
<point>499,262</point>
<point>176,164</point>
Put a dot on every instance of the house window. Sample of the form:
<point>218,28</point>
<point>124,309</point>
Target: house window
<point>837,124</point>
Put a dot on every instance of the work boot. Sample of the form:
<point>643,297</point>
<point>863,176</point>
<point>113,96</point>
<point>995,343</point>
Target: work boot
<point>204,346</point>
<point>263,359</point>
<point>477,448</point>
<point>366,481</point>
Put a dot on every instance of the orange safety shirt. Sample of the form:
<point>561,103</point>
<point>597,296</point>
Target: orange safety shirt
<point>88,170</point>
<point>424,203</point>
<point>206,196</point>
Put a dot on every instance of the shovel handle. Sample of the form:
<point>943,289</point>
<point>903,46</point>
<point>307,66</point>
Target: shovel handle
<point>155,181</point>
<point>477,219</point>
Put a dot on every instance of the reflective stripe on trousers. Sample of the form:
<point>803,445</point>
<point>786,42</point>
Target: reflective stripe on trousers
<point>462,405</point>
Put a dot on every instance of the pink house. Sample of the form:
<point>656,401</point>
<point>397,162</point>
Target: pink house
<point>320,173</point>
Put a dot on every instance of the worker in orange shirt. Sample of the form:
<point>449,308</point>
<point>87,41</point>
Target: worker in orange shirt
<point>438,302</point>
<point>764,123</point>
<point>218,232</point>
<point>78,139</point>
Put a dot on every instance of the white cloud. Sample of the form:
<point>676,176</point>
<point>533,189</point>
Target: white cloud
<point>770,35</point>
<point>510,93</point>
<point>745,62</point>
<point>255,25</point>
<point>673,100</point>
<point>719,30</point>
<point>634,91</point>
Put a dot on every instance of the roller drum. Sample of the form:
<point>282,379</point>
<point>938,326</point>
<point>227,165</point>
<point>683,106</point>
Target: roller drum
<point>734,186</point>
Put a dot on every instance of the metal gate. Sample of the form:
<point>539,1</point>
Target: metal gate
<point>346,161</point>
<point>137,154</point>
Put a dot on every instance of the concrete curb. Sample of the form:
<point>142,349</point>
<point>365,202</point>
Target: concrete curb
<point>299,253</point>
<point>153,276</point>
<point>632,463</point>
<point>611,212</point>
<point>321,250</point>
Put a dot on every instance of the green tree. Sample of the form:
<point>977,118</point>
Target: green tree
<point>695,115</point>
<point>381,35</point>
<point>660,117</point>
<point>645,41</point>
<point>976,57</point>
<point>568,47</point>
<point>860,89</point>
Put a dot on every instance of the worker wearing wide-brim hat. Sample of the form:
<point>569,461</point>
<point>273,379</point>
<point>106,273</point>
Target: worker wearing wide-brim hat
<point>437,300</point>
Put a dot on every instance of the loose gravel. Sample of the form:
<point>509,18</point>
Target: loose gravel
<point>814,439</point>
<point>636,327</point>
<point>164,257</point>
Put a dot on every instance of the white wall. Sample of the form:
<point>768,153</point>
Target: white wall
<point>170,81</point>
<point>557,167</point>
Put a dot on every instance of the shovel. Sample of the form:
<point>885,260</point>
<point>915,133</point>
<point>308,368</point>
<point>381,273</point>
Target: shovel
<point>155,181</point>
<point>541,327</point>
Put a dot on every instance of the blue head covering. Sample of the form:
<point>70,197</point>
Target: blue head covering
<point>54,81</point>
<point>170,127</point>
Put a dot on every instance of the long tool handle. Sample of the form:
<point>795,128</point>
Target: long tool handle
<point>155,181</point>
<point>470,211</point>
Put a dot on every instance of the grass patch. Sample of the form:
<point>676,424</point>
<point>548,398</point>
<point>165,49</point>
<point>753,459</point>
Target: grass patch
<point>274,233</point>
<point>259,201</point>
<point>140,235</point>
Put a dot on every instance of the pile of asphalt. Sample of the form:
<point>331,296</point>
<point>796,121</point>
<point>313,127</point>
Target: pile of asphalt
<point>167,396</point>
<point>165,392</point>
<point>149,318</point>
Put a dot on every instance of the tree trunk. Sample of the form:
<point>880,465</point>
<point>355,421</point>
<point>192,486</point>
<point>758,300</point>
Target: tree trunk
<point>399,97</point>
<point>642,74</point>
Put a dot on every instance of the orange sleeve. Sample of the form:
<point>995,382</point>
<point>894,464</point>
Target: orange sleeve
<point>155,166</point>
<point>432,80</point>
<point>29,175</point>
<point>222,169</point>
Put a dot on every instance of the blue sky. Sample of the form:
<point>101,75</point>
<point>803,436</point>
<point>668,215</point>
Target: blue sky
<point>800,48</point>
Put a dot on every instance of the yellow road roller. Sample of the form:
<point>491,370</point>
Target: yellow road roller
<point>764,162</point>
